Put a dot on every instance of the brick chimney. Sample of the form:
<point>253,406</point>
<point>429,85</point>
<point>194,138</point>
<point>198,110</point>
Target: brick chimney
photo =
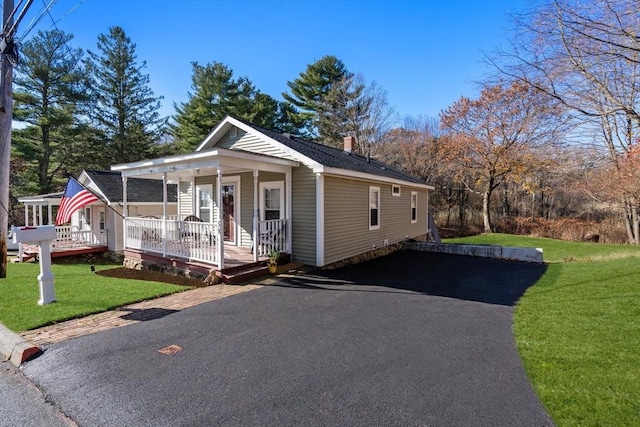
<point>349,141</point>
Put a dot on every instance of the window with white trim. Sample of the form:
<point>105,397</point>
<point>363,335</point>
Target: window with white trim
<point>272,200</point>
<point>103,219</point>
<point>414,207</point>
<point>374,208</point>
<point>204,202</point>
<point>87,214</point>
<point>395,190</point>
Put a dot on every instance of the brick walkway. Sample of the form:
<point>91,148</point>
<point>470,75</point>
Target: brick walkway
<point>134,313</point>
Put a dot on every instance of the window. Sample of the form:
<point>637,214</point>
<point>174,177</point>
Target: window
<point>87,214</point>
<point>103,219</point>
<point>205,202</point>
<point>272,200</point>
<point>374,208</point>
<point>395,190</point>
<point>414,207</point>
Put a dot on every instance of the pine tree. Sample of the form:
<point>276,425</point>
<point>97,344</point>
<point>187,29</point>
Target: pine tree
<point>126,111</point>
<point>324,93</point>
<point>50,97</point>
<point>216,94</point>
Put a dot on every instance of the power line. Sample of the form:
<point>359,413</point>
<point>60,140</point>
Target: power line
<point>39,17</point>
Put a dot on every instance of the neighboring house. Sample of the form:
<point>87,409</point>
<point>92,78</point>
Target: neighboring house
<point>317,203</point>
<point>98,226</point>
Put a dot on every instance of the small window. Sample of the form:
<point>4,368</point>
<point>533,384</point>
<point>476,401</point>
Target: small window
<point>87,214</point>
<point>414,206</point>
<point>103,219</point>
<point>395,190</point>
<point>374,208</point>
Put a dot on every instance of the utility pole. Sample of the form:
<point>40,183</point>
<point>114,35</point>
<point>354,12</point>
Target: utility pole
<point>6,114</point>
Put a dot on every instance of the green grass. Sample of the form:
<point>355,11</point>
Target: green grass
<point>578,330</point>
<point>78,293</point>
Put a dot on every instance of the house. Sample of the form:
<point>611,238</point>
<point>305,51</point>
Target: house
<point>98,226</point>
<point>252,191</point>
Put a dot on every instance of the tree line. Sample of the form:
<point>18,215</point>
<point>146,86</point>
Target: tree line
<point>552,134</point>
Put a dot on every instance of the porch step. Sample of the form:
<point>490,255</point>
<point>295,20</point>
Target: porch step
<point>235,275</point>
<point>242,273</point>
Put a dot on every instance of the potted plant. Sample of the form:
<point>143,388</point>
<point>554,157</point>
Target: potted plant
<point>272,263</point>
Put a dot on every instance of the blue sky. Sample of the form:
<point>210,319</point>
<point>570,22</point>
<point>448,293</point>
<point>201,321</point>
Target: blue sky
<point>425,54</point>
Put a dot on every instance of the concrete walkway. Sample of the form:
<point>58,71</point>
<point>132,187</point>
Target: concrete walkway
<point>133,313</point>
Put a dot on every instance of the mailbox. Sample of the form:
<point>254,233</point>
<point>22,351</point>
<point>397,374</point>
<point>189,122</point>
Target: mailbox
<point>42,233</point>
<point>42,236</point>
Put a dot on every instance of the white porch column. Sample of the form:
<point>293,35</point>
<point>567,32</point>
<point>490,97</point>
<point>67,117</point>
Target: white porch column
<point>40,215</point>
<point>164,214</point>
<point>34,216</point>
<point>50,212</point>
<point>288,191</point>
<point>220,219</point>
<point>125,212</point>
<point>194,195</point>
<point>26,215</point>
<point>256,215</point>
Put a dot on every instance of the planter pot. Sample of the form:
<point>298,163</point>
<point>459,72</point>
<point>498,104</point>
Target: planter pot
<point>273,268</point>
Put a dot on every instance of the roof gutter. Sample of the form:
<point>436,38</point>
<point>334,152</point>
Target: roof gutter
<point>362,176</point>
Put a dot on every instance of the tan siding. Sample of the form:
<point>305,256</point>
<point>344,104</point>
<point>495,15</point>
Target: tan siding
<point>347,217</point>
<point>228,140</point>
<point>252,143</point>
<point>303,211</point>
<point>151,210</point>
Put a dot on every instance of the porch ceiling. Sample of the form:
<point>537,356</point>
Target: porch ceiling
<point>203,163</point>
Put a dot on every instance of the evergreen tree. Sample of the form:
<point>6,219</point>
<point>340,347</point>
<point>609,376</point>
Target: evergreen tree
<point>126,111</point>
<point>324,93</point>
<point>50,92</point>
<point>216,94</point>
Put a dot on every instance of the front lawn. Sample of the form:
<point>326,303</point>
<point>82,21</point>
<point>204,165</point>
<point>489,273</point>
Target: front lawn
<point>578,330</point>
<point>78,292</point>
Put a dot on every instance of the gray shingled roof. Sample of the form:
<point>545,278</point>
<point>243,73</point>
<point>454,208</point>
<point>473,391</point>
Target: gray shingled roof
<point>138,190</point>
<point>336,158</point>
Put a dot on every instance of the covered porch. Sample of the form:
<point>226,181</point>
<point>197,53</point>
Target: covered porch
<point>70,239</point>
<point>234,207</point>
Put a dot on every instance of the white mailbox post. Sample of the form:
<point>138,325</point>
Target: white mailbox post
<point>42,236</point>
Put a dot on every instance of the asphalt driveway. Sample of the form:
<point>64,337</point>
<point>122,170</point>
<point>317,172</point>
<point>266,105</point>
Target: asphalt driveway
<point>410,339</point>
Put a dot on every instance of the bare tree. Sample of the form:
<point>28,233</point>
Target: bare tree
<point>586,55</point>
<point>496,137</point>
<point>368,116</point>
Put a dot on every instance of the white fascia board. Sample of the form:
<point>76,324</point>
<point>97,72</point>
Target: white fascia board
<point>218,131</point>
<point>166,162</point>
<point>40,199</point>
<point>198,160</point>
<point>344,173</point>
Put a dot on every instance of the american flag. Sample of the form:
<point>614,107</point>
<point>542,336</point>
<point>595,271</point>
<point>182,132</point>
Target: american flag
<point>75,196</point>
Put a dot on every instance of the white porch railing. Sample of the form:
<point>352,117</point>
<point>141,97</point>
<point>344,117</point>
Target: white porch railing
<point>185,239</point>
<point>272,236</point>
<point>196,241</point>
<point>67,236</point>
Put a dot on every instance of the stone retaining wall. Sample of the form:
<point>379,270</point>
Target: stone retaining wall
<point>485,251</point>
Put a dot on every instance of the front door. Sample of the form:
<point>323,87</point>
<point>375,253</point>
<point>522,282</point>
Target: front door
<point>228,212</point>
<point>230,208</point>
